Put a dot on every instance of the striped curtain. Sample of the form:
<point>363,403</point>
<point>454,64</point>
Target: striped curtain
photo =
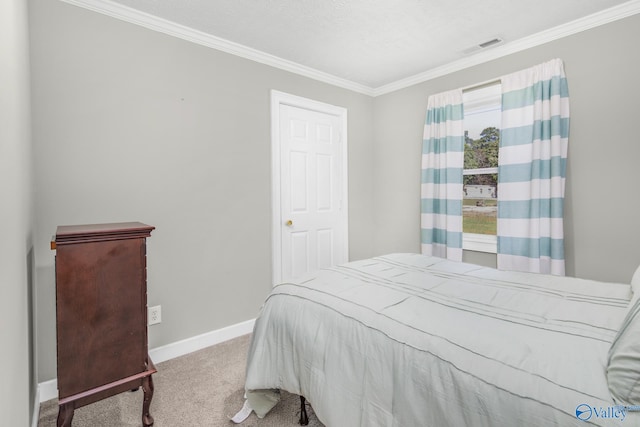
<point>441,189</point>
<point>531,172</point>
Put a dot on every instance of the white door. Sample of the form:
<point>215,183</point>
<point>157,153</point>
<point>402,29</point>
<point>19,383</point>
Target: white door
<point>312,206</point>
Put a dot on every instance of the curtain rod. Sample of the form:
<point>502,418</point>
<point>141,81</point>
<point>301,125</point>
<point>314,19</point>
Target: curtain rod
<point>481,85</point>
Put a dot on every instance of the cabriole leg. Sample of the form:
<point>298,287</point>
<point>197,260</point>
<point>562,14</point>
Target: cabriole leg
<point>147,387</point>
<point>65,415</point>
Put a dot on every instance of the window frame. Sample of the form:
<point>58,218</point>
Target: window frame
<point>472,241</point>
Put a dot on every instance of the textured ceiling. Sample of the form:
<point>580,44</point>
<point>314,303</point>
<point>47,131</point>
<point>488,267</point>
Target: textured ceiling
<point>370,42</point>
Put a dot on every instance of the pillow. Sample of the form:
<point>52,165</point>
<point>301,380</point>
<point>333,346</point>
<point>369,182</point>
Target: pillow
<point>623,368</point>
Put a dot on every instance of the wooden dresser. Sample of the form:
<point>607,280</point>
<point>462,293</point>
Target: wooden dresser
<point>101,309</point>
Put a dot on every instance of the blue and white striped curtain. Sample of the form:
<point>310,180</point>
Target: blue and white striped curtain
<point>442,164</point>
<point>532,166</point>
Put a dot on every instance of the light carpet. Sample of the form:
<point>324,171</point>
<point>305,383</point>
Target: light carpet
<point>201,389</point>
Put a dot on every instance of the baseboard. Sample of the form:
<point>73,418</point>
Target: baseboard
<point>189,345</point>
<point>48,390</point>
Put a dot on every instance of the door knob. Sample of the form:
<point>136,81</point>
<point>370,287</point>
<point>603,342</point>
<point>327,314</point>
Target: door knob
<point>289,223</point>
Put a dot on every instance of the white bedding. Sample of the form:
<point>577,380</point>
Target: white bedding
<point>407,340</point>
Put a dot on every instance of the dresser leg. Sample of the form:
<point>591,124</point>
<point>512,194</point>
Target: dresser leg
<point>147,387</point>
<point>65,415</point>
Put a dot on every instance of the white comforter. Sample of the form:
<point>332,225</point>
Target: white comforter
<point>407,340</point>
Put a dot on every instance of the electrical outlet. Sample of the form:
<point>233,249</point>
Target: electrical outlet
<point>154,314</point>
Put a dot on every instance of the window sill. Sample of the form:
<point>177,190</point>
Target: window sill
<point>480,243</point>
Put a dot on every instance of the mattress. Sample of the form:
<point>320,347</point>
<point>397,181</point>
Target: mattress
<point>410,340</point>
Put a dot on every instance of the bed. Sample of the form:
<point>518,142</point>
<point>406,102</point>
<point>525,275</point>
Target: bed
<point>408,340</point>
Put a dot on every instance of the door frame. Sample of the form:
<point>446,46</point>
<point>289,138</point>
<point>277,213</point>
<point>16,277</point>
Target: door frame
<point>281,98</point>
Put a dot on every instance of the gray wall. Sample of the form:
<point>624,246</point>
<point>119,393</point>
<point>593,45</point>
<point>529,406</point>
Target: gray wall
<point>602,204</point>
<point>16,217</point>
<point>135,125</point>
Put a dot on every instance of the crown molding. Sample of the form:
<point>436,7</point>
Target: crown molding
<point>606,16</point>
<point>125,13</point>
<point>143,19</point>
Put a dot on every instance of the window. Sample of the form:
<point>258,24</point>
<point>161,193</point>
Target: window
<point>482,111</point>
